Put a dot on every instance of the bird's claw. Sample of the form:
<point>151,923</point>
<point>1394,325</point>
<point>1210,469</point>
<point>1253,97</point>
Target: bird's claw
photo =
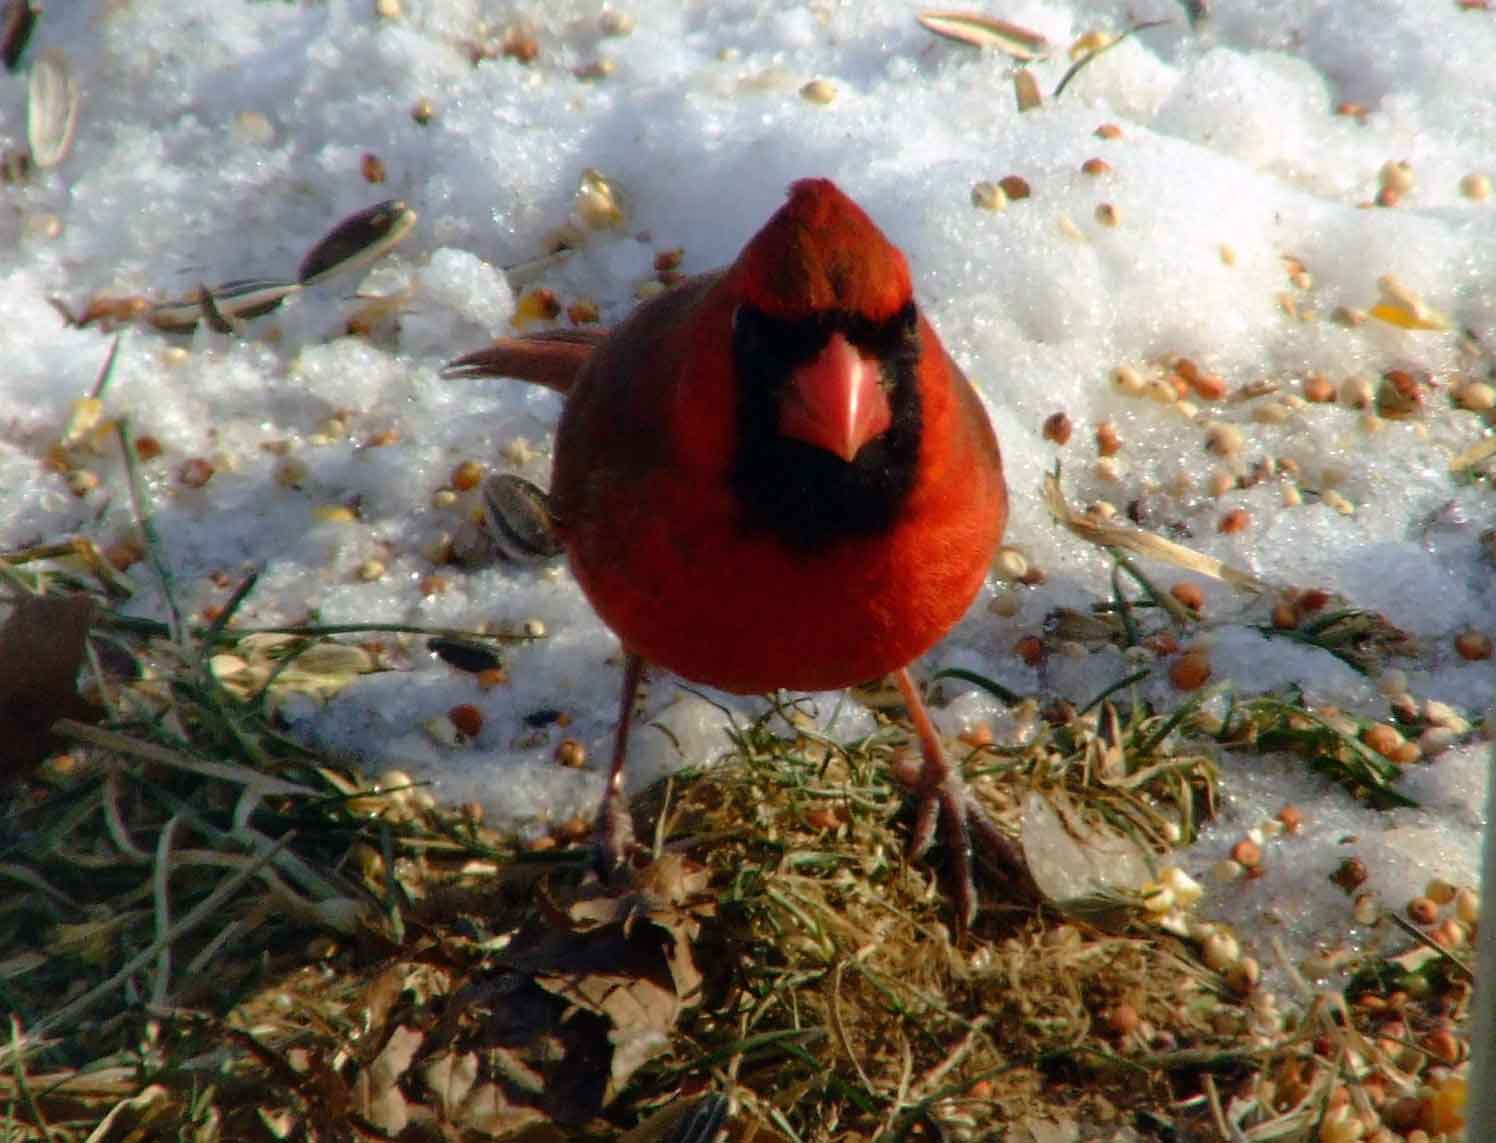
<point>613,838</point>
<point>945,808</point>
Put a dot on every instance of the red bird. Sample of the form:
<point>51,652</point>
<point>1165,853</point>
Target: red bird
<point>773,475</point>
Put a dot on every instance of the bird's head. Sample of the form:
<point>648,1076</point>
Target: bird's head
<point>822,280</point>
<point>826,351</point>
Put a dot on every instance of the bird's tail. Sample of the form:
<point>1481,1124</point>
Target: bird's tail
<point>552,358</point>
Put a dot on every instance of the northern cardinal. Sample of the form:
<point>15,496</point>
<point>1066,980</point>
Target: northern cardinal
<point>773,475</point>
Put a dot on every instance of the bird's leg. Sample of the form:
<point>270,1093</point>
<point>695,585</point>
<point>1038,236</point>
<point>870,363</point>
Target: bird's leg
<point>615,827</point>
<point>944,803</point>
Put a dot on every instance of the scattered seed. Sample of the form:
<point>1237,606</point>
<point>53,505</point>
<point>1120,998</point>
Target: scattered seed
<point>1208,386</point>
<point>1476,396</point>
<point>430,585</point>
<point>1095,167</point>
<point>1473,646</point>
<point>1219,482</point>
<point>467,475</point>
<point>195,472</point>
<point>518,517</point>
<point>1396,175</point>
<point>1128,381</point>
<point>1382,738</point>
<point>1010,564</point>
<point>1226,870</point>
<point>1189,594</point>
<point>1162,390</point>
<point>1351,874</point>
<point>1220,951</point>
<point>1016,187</point>
<point>371,166</point>
<point>335,514</point>
<point>467,718</point>
<point>1006,604</point>
<point>1108,443</point>
<point>51,108</point>
<point>1475,186</point>
<point>1123,1019</point>
<point>1191,670</point>
<point>1422,911</point>
<point>1235,521</point>
<point>520,43</point>
<point>821,818</point>
<point>1317,388</point>
<point>982,31</point>
<point>371,570</point>
<point>820,91</point>
<point>537,305</point>
<point>1026,90</point>
<point>1030,650</point>
<point>1057,428</point>
<point>1356,393</point>
<point>612,22</point>
<point>423,111</point>
<point>1333,499</point>
<point>291,472</point>
<point>1272,412</point>
<point>357,240</point>
<point>571,754</point>
<point>1400,306</point>
<point>1222,439</point>
<point>1366,908</point>
<point>1107,214</point>
<point>988,196</point>
<point>82,481</point>
<point>1243,976</point>
<point>1467,906</point>
<point>1108,131</point>
<point>1247,853</point>
<point>16,27</point>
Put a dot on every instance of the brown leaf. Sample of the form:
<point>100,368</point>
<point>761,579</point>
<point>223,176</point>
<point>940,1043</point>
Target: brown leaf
<point>41,648</point>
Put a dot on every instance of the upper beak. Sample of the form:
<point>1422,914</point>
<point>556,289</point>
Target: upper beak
<point>835,401</point>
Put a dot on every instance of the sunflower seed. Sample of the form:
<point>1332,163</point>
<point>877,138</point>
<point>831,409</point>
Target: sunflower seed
<point>358,239</point>
<point>519,518</point>
<point>51,108</point>
<point>15,30</point>
<point>239,300</point>
<point>464,654</point>
<point>982,31</point>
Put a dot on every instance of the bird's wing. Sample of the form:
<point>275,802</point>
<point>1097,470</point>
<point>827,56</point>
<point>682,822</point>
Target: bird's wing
<point>552,358</point>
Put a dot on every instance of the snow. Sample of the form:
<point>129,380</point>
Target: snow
<point>218,143</point>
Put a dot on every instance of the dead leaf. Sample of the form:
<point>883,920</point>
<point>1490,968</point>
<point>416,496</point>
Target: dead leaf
<point>377,1095</point>
<point>41,649</point>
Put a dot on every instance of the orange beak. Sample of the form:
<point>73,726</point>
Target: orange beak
<point>835,401</point>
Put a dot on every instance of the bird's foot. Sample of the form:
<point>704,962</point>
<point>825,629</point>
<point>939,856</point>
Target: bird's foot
<point>613,839</point>
<point>947,810</point>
